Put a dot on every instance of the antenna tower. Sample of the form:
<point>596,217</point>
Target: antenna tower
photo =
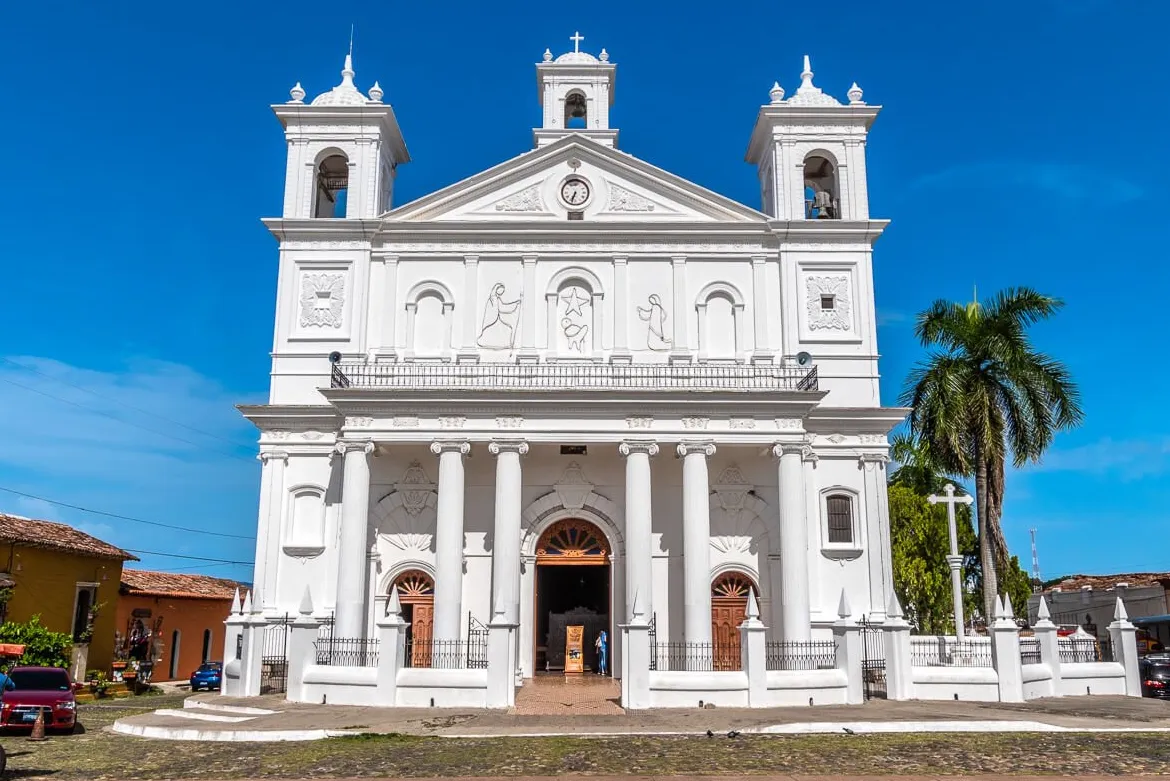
<point>1035,564</point>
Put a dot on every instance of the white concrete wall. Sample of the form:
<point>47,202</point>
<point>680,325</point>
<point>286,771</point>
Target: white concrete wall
<point>978,684</point>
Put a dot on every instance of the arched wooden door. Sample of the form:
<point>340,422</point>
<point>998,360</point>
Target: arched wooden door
<point>729,596</point>
<point>416,593</point>
<point>572,589</point>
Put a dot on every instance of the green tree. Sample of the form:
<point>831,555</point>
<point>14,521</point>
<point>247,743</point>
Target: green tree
<point>42,646</point>
<point>920,542</point>
<point>917,469</point>
<point>984,394</point>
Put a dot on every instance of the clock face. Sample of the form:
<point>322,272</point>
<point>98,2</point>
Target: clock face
<point>575,192</point>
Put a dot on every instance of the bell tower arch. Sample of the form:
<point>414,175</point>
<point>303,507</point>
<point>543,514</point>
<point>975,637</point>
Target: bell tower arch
<point>576,92</point>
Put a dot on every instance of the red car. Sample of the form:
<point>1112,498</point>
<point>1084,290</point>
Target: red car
<point>47,690</point>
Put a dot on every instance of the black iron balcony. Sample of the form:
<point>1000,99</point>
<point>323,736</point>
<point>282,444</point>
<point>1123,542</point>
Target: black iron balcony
<point>574,376</point>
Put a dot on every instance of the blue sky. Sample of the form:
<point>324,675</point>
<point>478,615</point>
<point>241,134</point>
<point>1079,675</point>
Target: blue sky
<point>1019,145</point>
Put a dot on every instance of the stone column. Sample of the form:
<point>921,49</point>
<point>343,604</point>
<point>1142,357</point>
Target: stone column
<point>1123,636</point>
<point>621,302</point>
<point>1005,652</point>
<point>679,352</point>
<point>506,537</point>
<point>390,630</point>
<point>468,351</point>
<point>794,611</point>
<point>639,543</point>
<point>271,519</point>
<point>389,302</point>
<point>349,620</point>
<point>847,636</point>
<point>696,541</point>
<point>873,468</point>
<point>528,304</point>
<point>449,539</point>
<point>753,653</point>
<point>899,673</point>
<point>1047,639</point>
<point>761,352</point>
<point>301,651</point>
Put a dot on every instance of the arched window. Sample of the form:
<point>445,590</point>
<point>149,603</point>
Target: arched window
<point>307,525</point>
<point>428,320</point>
<point>720,311</point>
<point>332,187</point>
<point>175,637</point>
<point>839,528</point>
<point>571,541</point>
<point>822,190</point>
<point>576,110</point>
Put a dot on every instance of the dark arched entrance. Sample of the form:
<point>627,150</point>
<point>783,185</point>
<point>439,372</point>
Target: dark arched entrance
<point>572,589</point>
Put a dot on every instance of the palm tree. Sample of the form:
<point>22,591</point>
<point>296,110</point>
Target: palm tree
<point>917,469</point>
<point>985,393</point>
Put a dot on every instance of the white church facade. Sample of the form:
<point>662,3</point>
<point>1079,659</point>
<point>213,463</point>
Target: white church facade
<point>574,389</point>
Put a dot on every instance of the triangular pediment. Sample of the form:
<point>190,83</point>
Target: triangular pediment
<point>620,188</point>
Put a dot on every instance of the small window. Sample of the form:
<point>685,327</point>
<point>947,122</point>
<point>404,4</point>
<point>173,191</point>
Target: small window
<point>573,450</point>
<point>840,512</point>
<point>576,215</point>
<point>828,302</point>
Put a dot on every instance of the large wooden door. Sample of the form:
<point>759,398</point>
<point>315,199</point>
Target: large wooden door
<point>729,596</point>
<point>416,593</point>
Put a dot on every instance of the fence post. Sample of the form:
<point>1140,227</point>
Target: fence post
<point>1123,635</point>
<point>899,678</point>
<point>1005,652</point>
<point>391,629</point>
<point>1046,638</point>
<point>252,648</point>
<point>847,636</point>
<point>636,653</point>
<point>230,687</point>
<point>302,648</point>
<point>753,653</point>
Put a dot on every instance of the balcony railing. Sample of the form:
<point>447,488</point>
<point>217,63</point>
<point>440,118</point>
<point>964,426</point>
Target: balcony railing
<point>574,376</point>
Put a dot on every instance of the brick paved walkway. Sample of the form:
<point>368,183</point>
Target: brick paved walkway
<point>569,695</point>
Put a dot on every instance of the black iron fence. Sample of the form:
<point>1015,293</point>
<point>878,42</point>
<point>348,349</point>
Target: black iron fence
<point>873,658</point>
<point>1075,650</point>
<point>679,656</point>
<point>445,654</point>
<point>347,651</point>
<point>943,651</point>
<point>1030,650</point>
<point>811,655</point>
<point>574,376</point>
<point>274,655</point>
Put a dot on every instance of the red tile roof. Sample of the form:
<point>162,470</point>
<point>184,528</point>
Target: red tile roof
<point>1132,580</point>
<point>56,536</point>
<point>169,584</point>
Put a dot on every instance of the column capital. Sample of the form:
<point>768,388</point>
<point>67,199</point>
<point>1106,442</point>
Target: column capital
<point>678,260</point>
<point>628,446</point>
<point>469,259</point>
<point>350,445</point>
<point>781,449</point>
<point>809,455</point>
<point>872,460</point>
<point>685,448</point>
<point>461,446</point>
<point>529,259</point>
<point>759,260</point>
<point>497,446</point>
<point>272,455</point>
<point>620,259</point>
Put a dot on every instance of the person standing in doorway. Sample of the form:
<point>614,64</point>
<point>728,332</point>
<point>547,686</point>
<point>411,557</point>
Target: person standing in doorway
<point>602,646</point>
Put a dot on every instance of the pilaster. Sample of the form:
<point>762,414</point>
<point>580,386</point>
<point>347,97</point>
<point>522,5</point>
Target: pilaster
<point>468,351</point>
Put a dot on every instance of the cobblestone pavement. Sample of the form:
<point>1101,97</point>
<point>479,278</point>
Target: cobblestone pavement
<point>569,695</point>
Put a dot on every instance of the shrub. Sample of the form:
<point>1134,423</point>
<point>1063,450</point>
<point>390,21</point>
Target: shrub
<point>42,646</point>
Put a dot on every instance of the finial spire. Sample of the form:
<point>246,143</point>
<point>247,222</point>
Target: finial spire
<point>351,39</point>
<point>776,93</point>
<point>855,94</point>
<point>806,75</point>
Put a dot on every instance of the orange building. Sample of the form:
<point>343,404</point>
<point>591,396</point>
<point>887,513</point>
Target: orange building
<point>175,619</point>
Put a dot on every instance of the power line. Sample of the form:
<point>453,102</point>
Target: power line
<point>125,517</point>
<point>122,420</point>
<point>123,403</point>
<point>184,556</point>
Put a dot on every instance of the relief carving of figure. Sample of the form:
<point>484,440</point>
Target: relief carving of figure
<point>500,317</point>
<point>655,317</point>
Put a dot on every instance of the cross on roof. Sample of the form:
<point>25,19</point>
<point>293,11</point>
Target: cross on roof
<point>576,38</point>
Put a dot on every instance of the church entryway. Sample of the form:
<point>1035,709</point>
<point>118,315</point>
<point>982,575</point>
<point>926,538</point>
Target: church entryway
<point>729,596</point>
<point>416,593</point>
<point>573,587</point>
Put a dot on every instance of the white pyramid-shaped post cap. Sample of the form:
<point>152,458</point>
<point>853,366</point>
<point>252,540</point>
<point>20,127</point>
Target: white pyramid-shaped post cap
<point>636,608</point>
<point>235,609</point>
<point>894,609</point>
<point>998,607</point>
<point>1119,613</point>
<point>1042,612</point>
<point>247,608</point>
<point>306,606</point>
<point>843,608</point>
<point>752,610</point>
<point>1008,611</point>
<point>394,606</point>
<point>498,606</point>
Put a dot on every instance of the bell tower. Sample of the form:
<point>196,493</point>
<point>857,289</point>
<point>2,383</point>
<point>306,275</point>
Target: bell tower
<point>809,150</point>
<point>576,91</point>
<point>344,149</point>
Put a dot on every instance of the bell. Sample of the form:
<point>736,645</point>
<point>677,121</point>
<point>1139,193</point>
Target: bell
<point>823,203</point>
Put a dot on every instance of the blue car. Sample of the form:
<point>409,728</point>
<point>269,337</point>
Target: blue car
<point>208,676</point>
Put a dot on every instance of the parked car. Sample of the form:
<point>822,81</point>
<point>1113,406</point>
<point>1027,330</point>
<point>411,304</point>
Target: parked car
<point>47,690</point>
<point>209,676</point>
<point>1154,670</point>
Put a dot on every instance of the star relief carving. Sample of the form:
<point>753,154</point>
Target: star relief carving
<point>573,301</point>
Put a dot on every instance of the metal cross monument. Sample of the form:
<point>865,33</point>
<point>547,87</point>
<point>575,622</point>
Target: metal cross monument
<point>954,559</point>
<point>576,38</point>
